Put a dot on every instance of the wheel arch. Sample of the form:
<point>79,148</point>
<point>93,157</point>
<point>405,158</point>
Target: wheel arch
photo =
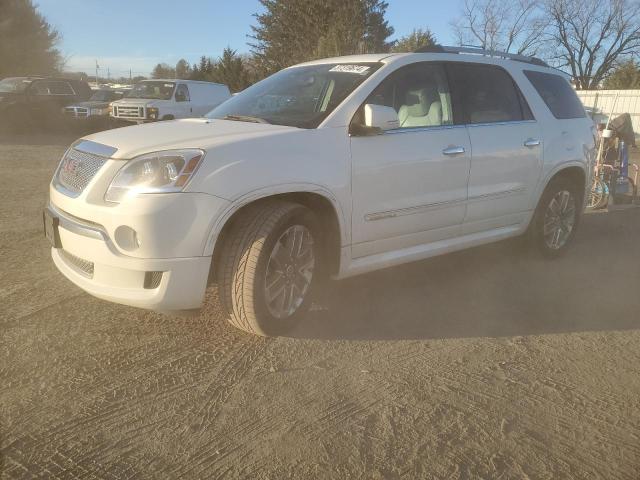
<point>321,202</point>
<point>574,172</point>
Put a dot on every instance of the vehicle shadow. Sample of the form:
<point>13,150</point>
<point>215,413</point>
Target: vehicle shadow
<point>494,291</point>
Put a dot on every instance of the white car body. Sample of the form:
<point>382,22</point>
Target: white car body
<point>202,97</point>
<point>394,197</point>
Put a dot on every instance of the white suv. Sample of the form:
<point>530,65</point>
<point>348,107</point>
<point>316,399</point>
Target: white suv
<point>334,168</point>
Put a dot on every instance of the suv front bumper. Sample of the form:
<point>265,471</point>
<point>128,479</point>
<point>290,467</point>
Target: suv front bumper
<point>169,272</point>
<point>181,286</point>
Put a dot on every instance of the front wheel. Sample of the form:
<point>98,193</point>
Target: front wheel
<point>269,267</point>
<point>556,218</point>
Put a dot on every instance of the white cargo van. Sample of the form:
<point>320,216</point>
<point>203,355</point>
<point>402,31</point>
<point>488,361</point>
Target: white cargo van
<point>152,100</point>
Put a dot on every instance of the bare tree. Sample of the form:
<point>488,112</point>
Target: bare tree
<point>507,25</point>
<point>592,36</point>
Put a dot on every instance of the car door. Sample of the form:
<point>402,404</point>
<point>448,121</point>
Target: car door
<point>184,108</point>
<point>506,143</point>
<point>48,97</point>
<point>409,185</point>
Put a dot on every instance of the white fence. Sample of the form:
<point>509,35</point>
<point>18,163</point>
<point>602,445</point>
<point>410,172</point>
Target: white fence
<point>628,102</point>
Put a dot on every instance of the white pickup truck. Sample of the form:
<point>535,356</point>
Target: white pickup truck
<point>335,167</point>
<point>152,100</point>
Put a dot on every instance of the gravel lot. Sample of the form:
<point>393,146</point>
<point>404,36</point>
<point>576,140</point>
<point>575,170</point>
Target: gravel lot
<point>487,364</point>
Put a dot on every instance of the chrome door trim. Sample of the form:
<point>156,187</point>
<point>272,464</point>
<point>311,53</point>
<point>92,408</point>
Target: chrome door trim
<point>502,193</point>
<point>401,212</point>
<point>501,124</point>
<point>397,131</point>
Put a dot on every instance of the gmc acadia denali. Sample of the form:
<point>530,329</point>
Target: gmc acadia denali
<point>335,167</point>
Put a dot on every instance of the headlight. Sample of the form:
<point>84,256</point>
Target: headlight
<point>152,113</point>
<point>99,111</point>
<point>159,172</point>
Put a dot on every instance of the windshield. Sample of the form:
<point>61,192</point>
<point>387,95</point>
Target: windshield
<point>297,97</point>
<point>152,90</point>
<point>102,96</point>
<point>14,85</point>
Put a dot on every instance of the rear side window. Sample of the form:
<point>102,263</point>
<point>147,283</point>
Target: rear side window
<point>487,94</point>
<point>557,94</point>
<point>60,88</point>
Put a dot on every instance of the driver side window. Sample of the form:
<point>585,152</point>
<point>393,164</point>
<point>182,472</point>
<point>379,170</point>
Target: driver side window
<point>182,93</point>
<point>419,94</point>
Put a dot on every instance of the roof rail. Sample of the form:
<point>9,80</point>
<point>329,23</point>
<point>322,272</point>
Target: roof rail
<point>480,51</point>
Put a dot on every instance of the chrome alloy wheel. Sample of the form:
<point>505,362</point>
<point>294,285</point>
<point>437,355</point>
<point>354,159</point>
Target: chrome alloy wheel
<point>559,220</point>
<point>289,271</point>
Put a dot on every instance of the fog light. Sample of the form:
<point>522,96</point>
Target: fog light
<point>127,238</point>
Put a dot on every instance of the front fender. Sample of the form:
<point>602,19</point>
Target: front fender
<point>289,188</point>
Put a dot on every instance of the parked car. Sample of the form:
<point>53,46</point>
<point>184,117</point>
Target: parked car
<point>152,100</point>
<point>335,167</point>
<point>35,101</point>
<point>96,109</point>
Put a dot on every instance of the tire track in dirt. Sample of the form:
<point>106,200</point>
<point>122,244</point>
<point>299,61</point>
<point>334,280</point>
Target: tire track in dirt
<point>566,408</point>
<point>177,368</point>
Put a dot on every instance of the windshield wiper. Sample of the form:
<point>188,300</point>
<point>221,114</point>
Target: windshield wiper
<point>244,118</point>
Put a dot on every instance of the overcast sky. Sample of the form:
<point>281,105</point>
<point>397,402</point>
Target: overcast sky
<point>136,35</point>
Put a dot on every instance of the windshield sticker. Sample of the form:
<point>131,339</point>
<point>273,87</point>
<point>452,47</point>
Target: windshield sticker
<point>168,85</point>
<point>357,69</point>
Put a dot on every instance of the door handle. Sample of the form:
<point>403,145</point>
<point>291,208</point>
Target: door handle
<point>453,151</point>
<point>532,142</point>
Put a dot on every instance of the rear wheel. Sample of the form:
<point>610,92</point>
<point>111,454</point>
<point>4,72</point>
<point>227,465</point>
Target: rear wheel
<point>556,218</point>
<point>269,267</point>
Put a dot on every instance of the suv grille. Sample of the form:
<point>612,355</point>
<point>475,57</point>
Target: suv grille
<point>80,265</point>
<point>129,112</point>
<point>76,112</point>
<point>77,169</point>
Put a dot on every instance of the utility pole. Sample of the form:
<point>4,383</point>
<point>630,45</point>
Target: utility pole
<point>130,80</point>
<point>108,75</point>
<point>97,67</point>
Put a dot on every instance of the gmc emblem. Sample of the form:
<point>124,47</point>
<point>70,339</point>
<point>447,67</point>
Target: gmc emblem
<point>71,166</point>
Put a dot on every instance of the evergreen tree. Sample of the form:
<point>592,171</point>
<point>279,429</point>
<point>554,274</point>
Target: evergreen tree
<point>162,70</point>
<point>27,41</point>
<point>626,76</point>
<point>183,70</point>
<point>230,70</point>
<point>293,31</point>
<point>418,38</point>
<point>202,68</point>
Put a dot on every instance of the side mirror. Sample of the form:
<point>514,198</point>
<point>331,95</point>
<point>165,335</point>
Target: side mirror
<point>381,117</point>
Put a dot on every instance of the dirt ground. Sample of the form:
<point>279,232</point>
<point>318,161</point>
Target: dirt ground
<point>485,364</point>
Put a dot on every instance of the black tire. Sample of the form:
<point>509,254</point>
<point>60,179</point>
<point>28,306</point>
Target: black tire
<point>536,229</point>
<point>242,266</point>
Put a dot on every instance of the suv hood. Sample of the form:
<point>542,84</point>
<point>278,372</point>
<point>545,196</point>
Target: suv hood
<point>138,102</point>
<point>188,133</point>
<point>90,104</point>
